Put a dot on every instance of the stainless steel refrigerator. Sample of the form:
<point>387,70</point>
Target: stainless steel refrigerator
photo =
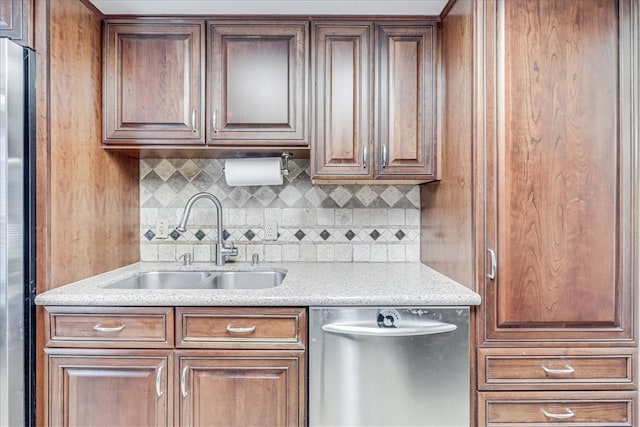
<point>17,230</point>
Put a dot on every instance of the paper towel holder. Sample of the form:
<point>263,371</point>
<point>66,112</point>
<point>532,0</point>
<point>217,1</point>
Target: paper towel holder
<point>285,163</point>
<point>284,166</point>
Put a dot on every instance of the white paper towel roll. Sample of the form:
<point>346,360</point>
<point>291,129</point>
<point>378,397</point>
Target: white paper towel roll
<point>257,171</point>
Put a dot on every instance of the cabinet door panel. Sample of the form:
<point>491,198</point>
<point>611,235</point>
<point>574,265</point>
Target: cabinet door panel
<point>14,20</point>
<point>257,74</point>
<point>153,84</point>
<point>406,99</point>
<point>94,389</point>
<point>341,66</point>
<point>241,389</point>
<point>559,175</point>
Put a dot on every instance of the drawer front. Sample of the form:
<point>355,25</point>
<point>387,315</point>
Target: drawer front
<point>545,369</point>
<point>281,328</point>
<point>110,327</point>
<point>568,409</point>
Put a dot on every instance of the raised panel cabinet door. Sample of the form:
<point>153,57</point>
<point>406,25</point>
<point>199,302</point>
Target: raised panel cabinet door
<point>560,193</point>
<point>232,388</point>
<point>102,388</point>
<point>257,79</point>
<point>154,83</point>
<point>13,20</point>
<point>406,142</point>
<point>341,67</point>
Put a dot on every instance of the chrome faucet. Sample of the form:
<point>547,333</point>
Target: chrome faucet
<point>223,252</point>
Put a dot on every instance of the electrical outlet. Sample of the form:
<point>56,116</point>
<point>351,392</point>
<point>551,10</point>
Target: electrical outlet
<point>271,230</point>
<point>161,229</point>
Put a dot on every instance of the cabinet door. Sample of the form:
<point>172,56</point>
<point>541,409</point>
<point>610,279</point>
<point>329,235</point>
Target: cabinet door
<point>232,388</point>
<point>341,69</point>
<point>154,92</point>
<point>406,142</point>
<point>14,16</point>
<point>102,388</point>
<point>560,197</point>
<point>257,75</point>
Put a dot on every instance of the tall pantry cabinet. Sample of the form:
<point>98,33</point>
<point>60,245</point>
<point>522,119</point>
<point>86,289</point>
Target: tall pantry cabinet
<point>553,208</point>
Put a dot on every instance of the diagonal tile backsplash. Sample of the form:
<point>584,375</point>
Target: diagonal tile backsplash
<point>349,223</point>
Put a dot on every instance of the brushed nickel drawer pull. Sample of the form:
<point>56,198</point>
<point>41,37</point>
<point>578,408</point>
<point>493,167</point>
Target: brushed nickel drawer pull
<point>569,414</point>
<point>365,155</point>
<point>183,381</point>
<point>101,328</point>
<point>159,391</point>
<point>241,330</point>
<point>193,119</point>
<point>568,370</point>
<point>491,275</point>
<point>214,121</point>
<point>385,162</point>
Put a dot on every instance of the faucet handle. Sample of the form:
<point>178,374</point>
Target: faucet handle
<point>187,258</point>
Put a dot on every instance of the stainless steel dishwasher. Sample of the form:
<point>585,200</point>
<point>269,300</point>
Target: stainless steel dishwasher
<point>389,366</point>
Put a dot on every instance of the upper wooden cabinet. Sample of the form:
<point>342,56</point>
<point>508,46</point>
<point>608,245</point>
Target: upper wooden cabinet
<point>257,79</point>
<point>406,97</point>
<point>342,66</point>
<point>14,20</point>
<point>153,83</point>
<point>374,130</point>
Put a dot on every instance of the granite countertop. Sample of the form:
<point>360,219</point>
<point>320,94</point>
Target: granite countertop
<point>305,284</point>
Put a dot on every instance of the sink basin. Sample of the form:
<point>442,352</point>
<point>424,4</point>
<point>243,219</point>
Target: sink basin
<point>201,280</point>
<point>246,279</point>
<point>162,280</point>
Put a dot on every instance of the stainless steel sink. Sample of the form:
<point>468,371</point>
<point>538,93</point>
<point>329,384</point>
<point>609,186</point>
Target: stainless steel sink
<point>162,280</point>
<point>201,280</point>
<point>246,279</point>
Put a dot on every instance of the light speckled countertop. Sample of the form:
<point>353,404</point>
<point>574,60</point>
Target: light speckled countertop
<point>305,284</point>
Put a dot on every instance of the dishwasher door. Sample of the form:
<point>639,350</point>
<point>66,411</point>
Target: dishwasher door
<point>389,366</point>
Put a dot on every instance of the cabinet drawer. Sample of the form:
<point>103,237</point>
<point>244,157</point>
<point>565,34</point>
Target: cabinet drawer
<point>109,327</point>
<point>554,369</point>
<point>556,408</point>
<point>241,328</point>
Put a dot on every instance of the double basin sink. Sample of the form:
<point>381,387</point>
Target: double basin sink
<point>201,280</point>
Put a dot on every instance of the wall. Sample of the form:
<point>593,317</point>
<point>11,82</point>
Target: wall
<point>87,199</point>
<point>446,233</point>
<point>349,223</point>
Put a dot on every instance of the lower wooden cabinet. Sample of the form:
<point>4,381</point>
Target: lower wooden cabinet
<point>241,388</point>
<point>251,371</point>
<point>107,388</point>
<point>592,409</point>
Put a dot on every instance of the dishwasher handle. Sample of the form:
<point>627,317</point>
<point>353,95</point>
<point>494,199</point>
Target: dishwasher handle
<point>365,329</point>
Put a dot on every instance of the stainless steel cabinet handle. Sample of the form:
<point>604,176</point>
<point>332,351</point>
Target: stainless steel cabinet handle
<point>384,156</point>
<point>494,265</point>
<point>569,414</point>
<point>214,121</point>
<point>568,370</point>
<point>241,330</point>
<point>365,156</point>
<point>423,328</point>
<point>101,328</point>
<point>183,381</point>
<point>193,119</point>
<point>159,391</point>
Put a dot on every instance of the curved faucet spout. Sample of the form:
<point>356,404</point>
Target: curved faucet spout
<point>182,225</point>
<point>222,251</point>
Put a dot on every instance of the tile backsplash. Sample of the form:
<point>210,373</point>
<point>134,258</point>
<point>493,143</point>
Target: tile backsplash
<point>349,223</point>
